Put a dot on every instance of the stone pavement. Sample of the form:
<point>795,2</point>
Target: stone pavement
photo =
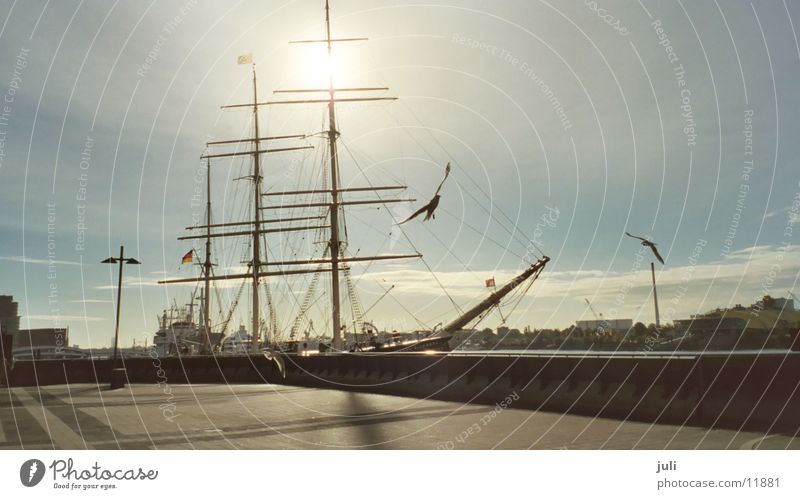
<point>284,417</point>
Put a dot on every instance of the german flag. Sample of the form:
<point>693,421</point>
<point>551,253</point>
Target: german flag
<point>187,258</point>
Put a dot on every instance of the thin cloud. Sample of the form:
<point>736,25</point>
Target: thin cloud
<point>133,282</point>
<point>39,261</point>
<point>777,212</point>
<point>793,217</point>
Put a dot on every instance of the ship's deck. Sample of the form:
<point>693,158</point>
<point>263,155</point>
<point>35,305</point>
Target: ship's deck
<point>284,417</point>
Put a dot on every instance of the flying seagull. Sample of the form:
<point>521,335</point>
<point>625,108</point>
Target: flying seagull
<point>272,356</point>
<point>432,204</point>
<point>650,244</point>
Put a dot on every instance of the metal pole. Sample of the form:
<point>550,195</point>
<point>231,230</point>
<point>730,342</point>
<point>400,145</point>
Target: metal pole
<point>119,303</point>
<point>655,294</point>
<point>257,220</point>
<point>335,243</point>
<point>206,340</point>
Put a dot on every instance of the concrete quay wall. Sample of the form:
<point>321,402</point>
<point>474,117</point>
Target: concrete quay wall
<point>172,370</point>
<point>739,391</point>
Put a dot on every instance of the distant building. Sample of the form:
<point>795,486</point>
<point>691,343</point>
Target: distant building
<point>770,303</point>
<point>43,343</point>
<point>9,318</point>
<point>43,337</point>
<point>9,325</point>
<point>615,325</point>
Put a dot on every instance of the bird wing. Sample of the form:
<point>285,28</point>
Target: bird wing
<point>432,206</point>
<point>416,214</point>
<point>274,357</point>
<point>635,237</point>
<point>446,174</point>
<point>432,203</point>
<point>655,252</point>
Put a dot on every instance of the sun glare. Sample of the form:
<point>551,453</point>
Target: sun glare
<point>313,66</point>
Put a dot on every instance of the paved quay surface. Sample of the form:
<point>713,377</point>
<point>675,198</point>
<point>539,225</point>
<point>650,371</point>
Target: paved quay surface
<point>285,417</point>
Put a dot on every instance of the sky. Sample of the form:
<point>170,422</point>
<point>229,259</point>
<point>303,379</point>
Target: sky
<point>567,124</point>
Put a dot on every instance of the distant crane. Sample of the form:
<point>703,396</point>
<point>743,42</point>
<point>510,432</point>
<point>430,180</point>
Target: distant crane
<point>597,316</point>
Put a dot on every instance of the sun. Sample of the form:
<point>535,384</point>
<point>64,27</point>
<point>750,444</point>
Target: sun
<point>313,67</point>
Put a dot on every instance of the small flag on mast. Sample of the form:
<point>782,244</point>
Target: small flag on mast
<point>245,59</point>
<point>187,258</point>
<point>490,283</point>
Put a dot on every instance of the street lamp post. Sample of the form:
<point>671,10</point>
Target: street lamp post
<point>121,261</point>
<point>650,244</point>
<point>655,294</point>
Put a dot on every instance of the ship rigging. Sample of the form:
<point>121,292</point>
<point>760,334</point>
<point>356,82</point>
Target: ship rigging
<point>325,205</point>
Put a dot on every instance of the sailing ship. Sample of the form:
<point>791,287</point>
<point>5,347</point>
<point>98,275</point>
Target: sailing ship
<point>320,209</point>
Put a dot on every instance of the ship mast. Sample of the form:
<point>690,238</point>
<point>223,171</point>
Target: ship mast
<point>336,261</point>
<point>255,230</point>
<point>335,205</point>
<point>493,299</point>
<point>335,243</point>
<point>256,267</point>
<point>207,266</point>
